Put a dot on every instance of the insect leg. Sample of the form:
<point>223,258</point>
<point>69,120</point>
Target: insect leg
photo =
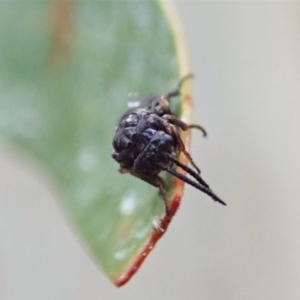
<point>164,104</point>
<point>161,106</point>
<point>188,170</point>
<point>182,124</point>
<point>158,182</point>
<point>196,185</point>
<point>176,91</point>
<point>181,148</point>
<point>123,170</point>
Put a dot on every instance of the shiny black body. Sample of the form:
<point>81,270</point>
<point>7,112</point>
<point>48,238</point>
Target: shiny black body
<point>147,141</point>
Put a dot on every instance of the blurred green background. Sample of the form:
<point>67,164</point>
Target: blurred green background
<point>247,95</point>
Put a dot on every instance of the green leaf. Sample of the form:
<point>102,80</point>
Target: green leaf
<point>66,69</point>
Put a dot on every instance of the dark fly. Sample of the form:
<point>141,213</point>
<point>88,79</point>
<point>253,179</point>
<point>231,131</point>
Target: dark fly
<point>147,141</point>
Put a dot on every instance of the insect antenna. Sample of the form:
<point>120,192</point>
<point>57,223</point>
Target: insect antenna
<point>176,91</point>
<point>188,170</point>
<point>195,184</point>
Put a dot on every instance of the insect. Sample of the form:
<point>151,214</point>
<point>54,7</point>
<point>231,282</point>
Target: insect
<point>147,141</point>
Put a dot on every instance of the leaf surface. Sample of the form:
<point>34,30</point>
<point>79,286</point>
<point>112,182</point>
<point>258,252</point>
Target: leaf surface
<point>66,69</point>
